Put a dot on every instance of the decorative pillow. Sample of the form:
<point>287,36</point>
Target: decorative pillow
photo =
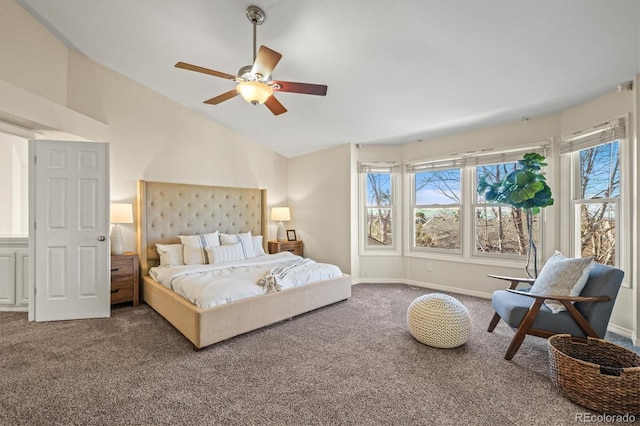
<point>562,276</point>
<point>194,245</point>
<point>170,254</point>
<point>257,245</point>
<point>244,238</point>
<point>225,253</point>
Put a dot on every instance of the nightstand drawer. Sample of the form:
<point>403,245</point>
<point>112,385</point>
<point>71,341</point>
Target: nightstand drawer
<point>121,269</point>
<point>294,247</point>
<point>121,291</point>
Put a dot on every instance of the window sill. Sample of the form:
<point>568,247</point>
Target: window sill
<point>490,261</point>
<point>380,253</point>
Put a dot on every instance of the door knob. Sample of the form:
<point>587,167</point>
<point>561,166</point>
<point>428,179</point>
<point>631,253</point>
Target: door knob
<point>101,238</point>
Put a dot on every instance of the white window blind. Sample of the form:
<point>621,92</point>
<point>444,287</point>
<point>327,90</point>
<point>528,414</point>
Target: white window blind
<point>475,159</point>
<point>378,167</point>
<point>598,135</point>
<point>430,165</point>
<point>507,155</point>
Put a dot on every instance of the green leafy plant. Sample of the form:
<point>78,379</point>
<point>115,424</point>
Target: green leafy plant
<point>525,188</point>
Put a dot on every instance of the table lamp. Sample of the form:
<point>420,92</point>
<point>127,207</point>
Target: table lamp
<point>120,213</point>
<point>280,214</point>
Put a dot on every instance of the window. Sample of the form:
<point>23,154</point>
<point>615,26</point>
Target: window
<point>597,192</point>
<point>379,210</point>
<point>14,181</point>
<point>378,183</point>
<point>598,201</point>
<point>437,209</point>
<point>499,228</point>
<point>447,216</point>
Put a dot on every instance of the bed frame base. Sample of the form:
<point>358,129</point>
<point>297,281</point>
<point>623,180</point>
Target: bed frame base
<point>204,327</point>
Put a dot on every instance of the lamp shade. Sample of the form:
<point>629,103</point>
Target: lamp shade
<point>121,213</point>
<point>254,92</point>
<point>280,214</point>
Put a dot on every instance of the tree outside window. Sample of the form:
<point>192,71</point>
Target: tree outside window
<point>437,209</point>
<point>499,227</point>
<point>379,210</point>
<point>598,201</point>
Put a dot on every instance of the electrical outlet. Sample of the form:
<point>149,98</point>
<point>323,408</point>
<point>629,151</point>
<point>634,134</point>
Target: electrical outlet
<point>429,267</point>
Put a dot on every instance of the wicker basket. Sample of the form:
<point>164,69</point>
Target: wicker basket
<point>598,374</point>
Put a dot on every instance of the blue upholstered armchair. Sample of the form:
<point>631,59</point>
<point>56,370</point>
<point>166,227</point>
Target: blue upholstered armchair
<point>587,314</point>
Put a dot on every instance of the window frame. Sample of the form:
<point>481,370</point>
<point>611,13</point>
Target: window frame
<point>476,204</point>
<point>468,163</point>
<point>391,168</point>
<point>413,206</point>
<point>570,147</point>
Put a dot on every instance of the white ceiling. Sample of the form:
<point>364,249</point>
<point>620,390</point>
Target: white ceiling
<point>397,70</point>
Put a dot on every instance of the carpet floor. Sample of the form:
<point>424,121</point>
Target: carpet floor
<point>352,363</point>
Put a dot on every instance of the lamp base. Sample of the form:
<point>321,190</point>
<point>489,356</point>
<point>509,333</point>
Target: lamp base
<point>116,240</point>
<point>280,236</point>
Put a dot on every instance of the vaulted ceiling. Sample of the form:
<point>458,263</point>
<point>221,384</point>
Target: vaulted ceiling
<point>397,70</point>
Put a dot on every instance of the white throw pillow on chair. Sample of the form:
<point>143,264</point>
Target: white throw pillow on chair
<point>562,276</point>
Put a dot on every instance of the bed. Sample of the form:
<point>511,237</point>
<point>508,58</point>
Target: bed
<point>167,210</point>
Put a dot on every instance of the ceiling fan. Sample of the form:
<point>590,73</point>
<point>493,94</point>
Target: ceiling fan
<point>254,81</point>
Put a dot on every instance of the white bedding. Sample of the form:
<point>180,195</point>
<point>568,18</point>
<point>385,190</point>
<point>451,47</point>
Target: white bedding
<point>211,285</point>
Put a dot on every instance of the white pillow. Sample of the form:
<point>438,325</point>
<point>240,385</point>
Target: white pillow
<point>257,245</point>
<point>170,254</point>
<point>562,276</point>
<point>194,245</point>
<point>225,253</point>
<point>244,239</point>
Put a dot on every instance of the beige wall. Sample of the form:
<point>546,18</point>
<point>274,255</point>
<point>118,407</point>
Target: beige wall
<point>31,57</point>
<point>320,201</point>
<point>150,136</point>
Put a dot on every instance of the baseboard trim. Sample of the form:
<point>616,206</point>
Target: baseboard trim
<point>622,332</point>
<point>14,309</point>
<point>421,284</point>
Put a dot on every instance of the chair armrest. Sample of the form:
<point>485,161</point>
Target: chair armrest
<point>514,280</point>
<point>562,298</point>
<point>566,301</point>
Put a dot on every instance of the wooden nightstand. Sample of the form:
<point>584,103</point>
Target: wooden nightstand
<point>125,278</point>
<point>294,247</point>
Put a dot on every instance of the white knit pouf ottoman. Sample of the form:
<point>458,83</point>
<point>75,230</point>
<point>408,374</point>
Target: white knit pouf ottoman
<point>439,320</point>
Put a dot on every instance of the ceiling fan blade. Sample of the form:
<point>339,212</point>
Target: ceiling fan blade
<point>304,88</point>
<point>275,106</point>
<point>221,98</point>
<point>196,68</point>
<point>265,62</point>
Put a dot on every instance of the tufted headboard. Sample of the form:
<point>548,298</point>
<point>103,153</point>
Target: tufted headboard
<point>166,210</point>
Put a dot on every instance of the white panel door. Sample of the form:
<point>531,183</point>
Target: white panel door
<point>70,208</point>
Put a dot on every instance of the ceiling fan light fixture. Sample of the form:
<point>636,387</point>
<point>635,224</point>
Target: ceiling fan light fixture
<point>254,92</point>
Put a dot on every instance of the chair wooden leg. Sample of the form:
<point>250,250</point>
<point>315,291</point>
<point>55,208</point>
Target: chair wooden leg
<point>524,327</point>
<point>580,320</point>
<point>494,321</point>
